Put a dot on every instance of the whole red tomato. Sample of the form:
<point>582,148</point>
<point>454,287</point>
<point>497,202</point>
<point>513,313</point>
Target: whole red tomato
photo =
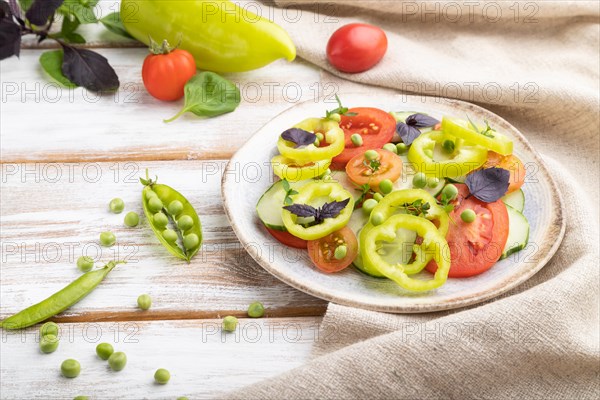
<point>356,47</point>
<point>165,75</point>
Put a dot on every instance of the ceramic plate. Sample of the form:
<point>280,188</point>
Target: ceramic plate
<point>248,175</point>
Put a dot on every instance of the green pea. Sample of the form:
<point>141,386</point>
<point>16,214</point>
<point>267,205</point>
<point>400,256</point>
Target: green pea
<point>162,376</point>
<point>317,142</point>
<point>419,180</point>
<point>401,148</point>
<point>150,194</point>
<point>377,218</point>
<point>144,301</point>
<point>131,219</point>
<point>107,239</point>
<point>433,182</point>
<point>256,309</point>
<point>229,323</point>
<point>116,205</point>
<point>448,146</point>
<point>336,117</point>
<point>340,252</point>
<point>104,350</point>
<point>468,215</point>
<point>191,241</point>
<point>320,136</point>
<point>369,205</point>
<point>81,398</point>
<point>160,219</point>
<point>185,222</point>
<point>48,343</point>
<point>175,207</point>
<point>356,139</point>
<point>49,328</point>
<point>70,368</point>
<point>183,398</point>
<point>154,204</point>
<point>450,192</point>
<point>85,263</point>
<point>371,155</point>
<point>170,235</point>
<point>117,361</point>
<point>378,197</point>
<point>390,147</point>
<point>386,186</point>
<point>428,153</point>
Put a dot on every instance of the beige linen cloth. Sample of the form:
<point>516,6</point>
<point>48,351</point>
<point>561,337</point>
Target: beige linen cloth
<point>542,339</point>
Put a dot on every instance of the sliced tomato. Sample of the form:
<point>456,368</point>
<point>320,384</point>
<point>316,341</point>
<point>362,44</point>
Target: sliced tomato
<point>510,163</point>
<point>322,251</point>
<point>360,172</point>
<point>288,239</point>
<point>474,247</point>
<point>375,126</point>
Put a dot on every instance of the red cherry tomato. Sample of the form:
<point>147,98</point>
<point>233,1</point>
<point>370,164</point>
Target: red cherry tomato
<point>356,47</point>
<point>375,126</point>
<point>476,246</point>
<point>288,239</point>
<point>165,75</point>
<point>322,251</point>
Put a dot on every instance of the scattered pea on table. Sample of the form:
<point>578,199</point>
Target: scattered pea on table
<point>117,361</point>
<point>48,343</point>
<point>144,301</point>
<point>107,239</point>
<point>256,309</point>
<point>229,323</point>
<point>104,350</point>
<point>419,180</point>
<point>81,398</point>
<point>70,368</point>
<point>85,263</point>
<point>162,376</point>
<point>116,205</point>
<point>49,328</point>
<point>131,219</point>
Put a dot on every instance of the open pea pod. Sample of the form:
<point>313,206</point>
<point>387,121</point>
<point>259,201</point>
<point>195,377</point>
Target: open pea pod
<point>172,218</point>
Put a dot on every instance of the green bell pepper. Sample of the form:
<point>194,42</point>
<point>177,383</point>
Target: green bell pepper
<point>465,157</point>
<point>221,36</point>
<point>434,245</point>
<point>333,136</point>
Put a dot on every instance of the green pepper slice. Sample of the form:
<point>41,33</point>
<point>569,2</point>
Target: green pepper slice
<point>314,193</point>
<point>434,244</point>
<point>469,131</point>
<point>333,136</point>
<point>394,203</point>
<point>426,156</point>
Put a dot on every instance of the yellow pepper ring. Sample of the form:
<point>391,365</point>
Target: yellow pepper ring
<point>333,191</point>
<point>333,136</point>
<point>465,158</point>
<point>433,242</point>
<point>288,169</point>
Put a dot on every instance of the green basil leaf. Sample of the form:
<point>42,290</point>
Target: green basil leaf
<point>208,94</point>
<point>113,23</point>
<point>69,25</point>
<point>52,63</point>
<point>74,38</point>
<point>84,12</point>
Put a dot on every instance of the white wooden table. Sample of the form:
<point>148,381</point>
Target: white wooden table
<point>65,154</point>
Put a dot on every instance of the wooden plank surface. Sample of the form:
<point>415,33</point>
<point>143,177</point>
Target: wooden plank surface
<point>203,361</point>
<point>54,212</point>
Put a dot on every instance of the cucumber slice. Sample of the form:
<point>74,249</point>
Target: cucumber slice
<point>518,232</point>
<point>270,204</point>
<point>516,200</point>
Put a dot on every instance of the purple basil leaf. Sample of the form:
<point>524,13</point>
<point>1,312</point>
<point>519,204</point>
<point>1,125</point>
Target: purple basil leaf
<point>301,210</point>
<point>421,121</point>
<point>10,38</point>
<point>5,10</point>
<point>15,9</point>
<point>407,133</point>
<point>41,10</point>
<point>488,184</point>
<point>299,136</point>
<point>333,209</point>
<point>88,69</point>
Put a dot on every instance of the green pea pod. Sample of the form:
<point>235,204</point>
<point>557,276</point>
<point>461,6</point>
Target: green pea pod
<point>60,300</point>
<point>180,247</point>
